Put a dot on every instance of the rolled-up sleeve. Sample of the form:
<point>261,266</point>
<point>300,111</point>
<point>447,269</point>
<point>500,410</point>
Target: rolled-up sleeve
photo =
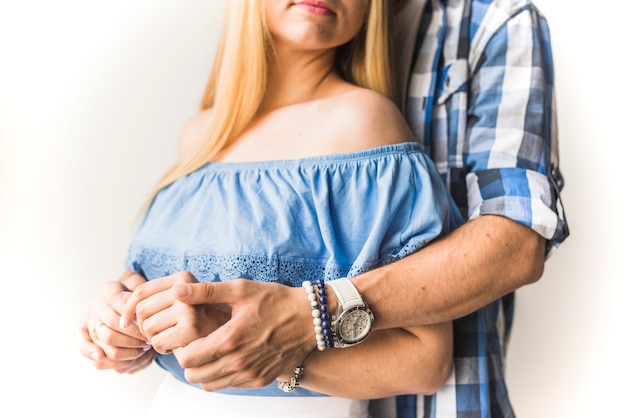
<point>512,152</point>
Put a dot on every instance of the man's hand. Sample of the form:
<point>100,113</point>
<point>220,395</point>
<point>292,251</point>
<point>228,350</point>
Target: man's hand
<point>269,333</point>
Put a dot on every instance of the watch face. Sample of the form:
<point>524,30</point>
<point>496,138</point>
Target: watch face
<point>354,325</point>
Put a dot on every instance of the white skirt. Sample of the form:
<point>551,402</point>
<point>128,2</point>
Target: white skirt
<point>177,399</point>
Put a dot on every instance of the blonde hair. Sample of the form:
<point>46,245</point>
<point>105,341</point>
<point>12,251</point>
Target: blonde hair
<point>237,83</point>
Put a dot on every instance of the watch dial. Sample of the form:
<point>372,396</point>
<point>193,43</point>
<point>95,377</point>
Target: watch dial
<point>355,325</point>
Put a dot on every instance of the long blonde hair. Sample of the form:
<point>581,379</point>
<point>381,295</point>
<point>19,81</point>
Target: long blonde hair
<point>236,86</point>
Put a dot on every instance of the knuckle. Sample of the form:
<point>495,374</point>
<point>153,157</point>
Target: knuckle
<point>149,330</point>
<point>188,332</point>
<point>243,367</point>
<point>227,347</point>
<point>251,382</point>
<point>105,334</point>
<point>248,376</point>
<point>208,289</point>
<point>109,318</point>
<point>159,347</point>
<point>239,285</point>
<point>243,287</point>
<point>191,377</point>
<point>185,362</point>
<point>111,353</point>
<point>140,291</point>
<point>141,311</point>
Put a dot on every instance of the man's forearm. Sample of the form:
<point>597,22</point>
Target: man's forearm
<point>474,265</point>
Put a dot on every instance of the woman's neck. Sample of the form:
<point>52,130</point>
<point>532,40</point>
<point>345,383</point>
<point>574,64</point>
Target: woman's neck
<point>300,77</point>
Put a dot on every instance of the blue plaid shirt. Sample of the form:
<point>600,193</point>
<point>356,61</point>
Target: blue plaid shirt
<point>481,101</point>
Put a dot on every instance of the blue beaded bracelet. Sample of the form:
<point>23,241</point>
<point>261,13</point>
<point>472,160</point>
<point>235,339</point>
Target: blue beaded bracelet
<point>325,317</point>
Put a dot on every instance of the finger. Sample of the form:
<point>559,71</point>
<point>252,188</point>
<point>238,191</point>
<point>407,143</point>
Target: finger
<point>103,355</point>
<point>147,290</point>
<point>141,293</point>
<point>211,379</point>
<point>205,350</point>
<point>141,363</point>
<point>159,324</point>
<point>113,295</point>
<point>186,323</point>
<point>105,313</point>
<point>86,346</point>
<point>113,337</point>
<point>126,366</point>
<point>119,354</point>
<point>208,293</point>
<point>111,303</point>
<point>102,344</point>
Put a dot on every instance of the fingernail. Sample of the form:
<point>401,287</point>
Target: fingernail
<point>94,356</point>
<point>146,347</point>
<point>122,322</point>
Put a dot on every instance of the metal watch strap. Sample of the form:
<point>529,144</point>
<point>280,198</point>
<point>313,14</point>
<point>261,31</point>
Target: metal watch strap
<point>347,294</point>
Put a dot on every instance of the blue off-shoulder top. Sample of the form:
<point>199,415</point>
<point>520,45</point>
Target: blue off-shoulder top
<point>287,221</point>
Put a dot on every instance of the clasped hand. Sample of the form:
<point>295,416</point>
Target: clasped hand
<point>238,333</point>
<point>99,338</point>
<point>167,322</point>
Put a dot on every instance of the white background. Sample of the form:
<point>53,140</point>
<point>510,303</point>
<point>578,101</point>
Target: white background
<point>92,97</point>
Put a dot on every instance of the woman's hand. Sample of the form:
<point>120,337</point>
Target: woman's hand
<point>166,322</point>
<point>99,337</point>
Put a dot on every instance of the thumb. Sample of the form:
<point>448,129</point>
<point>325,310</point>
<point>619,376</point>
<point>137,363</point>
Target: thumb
<point>204,293</point>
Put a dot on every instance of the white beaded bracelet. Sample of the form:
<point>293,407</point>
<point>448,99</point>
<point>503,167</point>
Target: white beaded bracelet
<point>316,313</point>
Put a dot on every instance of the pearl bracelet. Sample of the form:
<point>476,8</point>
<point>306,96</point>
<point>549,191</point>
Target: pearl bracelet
<point>293,383</point>
<point>316,313</point>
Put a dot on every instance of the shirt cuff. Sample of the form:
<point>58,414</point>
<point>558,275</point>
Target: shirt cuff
<point>525,196</point>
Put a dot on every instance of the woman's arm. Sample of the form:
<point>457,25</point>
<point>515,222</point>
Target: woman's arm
<point>415,360</point>
<point>388,362</point>
<point>456,275</point>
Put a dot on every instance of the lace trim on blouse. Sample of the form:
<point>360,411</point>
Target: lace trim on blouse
<point>156,263</point>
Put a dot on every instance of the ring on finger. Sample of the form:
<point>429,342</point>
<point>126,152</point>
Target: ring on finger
<point>94,330</point>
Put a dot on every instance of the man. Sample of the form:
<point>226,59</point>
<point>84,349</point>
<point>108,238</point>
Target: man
<point>479,97</point>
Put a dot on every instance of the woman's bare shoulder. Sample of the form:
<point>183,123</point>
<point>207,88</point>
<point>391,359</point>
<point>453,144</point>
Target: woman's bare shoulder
<point>193,132</point>
<point>368,119</point>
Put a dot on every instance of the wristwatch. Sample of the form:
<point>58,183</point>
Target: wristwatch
<point>354,319</point>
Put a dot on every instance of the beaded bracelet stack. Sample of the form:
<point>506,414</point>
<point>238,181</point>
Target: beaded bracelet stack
<point>319,311</point>
<point>321,326</point>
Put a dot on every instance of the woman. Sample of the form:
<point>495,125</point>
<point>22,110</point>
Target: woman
<point>299,164</point>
